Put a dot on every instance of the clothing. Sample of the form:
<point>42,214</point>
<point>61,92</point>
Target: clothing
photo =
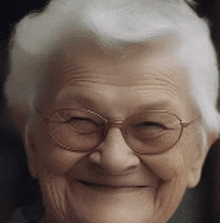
<point>27,215</point>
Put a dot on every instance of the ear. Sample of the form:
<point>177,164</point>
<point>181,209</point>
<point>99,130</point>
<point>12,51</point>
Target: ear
<point>21,114</point>
<point>196,168</point>
<point>31,155</point>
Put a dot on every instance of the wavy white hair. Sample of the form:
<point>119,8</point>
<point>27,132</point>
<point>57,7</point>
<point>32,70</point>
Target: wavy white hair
<point>113,24</point>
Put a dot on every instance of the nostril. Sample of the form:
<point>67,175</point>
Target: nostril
<point>114,160</point>
<point>95,157</point>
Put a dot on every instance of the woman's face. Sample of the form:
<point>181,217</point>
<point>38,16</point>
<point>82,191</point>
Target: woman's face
<point>113,184</point>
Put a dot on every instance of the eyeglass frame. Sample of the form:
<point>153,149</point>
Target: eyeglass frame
<point>110,123</point>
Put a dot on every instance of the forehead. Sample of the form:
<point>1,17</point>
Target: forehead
<point>133,63</point>
<point>144,75</point>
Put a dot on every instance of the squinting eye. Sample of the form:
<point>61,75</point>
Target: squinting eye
<point>151,125</point>
<point>77,119</point>
<point>148,130</point>
<point>83,124</point>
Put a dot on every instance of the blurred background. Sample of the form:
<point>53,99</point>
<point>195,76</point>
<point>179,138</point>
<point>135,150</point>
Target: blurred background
<point>17,188</point>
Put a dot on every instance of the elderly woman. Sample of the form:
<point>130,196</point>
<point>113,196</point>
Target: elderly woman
<point>116,102</point>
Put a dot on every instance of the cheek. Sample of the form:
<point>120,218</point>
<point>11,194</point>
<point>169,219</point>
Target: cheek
<point>172,168</point>
<point>54,190</point>
<point>167,165</point>
<point>50,157</point>
<point>177,161</point>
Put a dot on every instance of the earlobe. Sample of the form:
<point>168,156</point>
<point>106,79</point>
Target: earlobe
<point>32,158</point>
<point>195,175</point>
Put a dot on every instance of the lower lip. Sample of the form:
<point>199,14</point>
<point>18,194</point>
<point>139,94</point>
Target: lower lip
<point>109,188</point>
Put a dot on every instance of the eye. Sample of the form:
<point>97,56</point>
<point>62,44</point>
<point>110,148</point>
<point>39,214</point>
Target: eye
<point>78,121</point>
<point>82,123</point>
<point>149,129</point>
<point>150,125</point>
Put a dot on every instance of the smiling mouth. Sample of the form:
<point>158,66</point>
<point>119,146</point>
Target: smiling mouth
<point>86,183</point>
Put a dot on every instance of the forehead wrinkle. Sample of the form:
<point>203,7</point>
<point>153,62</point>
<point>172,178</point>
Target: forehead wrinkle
<point>80,70</point>
<point>173,79</point>
<point>159,96</point>
<point>162,79</point>
<point>96,93</point>
<point>175,72</point>
<point>71,73</point>
<point>146,78</point>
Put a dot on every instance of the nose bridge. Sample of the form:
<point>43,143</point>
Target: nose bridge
<point>114,136</point>
<point>114,155</point>
<point>115,124</point>
<point>115,130</point>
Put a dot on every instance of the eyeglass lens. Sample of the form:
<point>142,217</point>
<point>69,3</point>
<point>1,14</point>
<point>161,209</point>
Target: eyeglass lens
<point>84,130</point>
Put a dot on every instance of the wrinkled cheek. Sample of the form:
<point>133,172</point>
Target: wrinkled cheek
<point>54,190</point>
<point>168,197</point>
<point>173,178</point>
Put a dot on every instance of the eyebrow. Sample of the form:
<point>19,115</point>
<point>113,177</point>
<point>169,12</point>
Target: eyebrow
<point>84,101</point>
<point>160,105</point>
<point>87,103</point>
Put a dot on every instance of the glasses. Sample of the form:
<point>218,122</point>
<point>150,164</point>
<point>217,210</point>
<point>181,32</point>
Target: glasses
<point>81,130</point>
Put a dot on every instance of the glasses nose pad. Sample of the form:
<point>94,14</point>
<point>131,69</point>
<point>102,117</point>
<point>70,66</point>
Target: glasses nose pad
<point>116,124</point>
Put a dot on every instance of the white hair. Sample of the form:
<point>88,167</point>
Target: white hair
<point>113,24</point>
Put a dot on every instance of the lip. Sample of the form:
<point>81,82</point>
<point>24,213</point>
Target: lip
<point>112,187</point>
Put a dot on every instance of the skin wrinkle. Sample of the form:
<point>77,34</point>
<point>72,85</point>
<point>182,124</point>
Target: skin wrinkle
<point>49,186</point>
<point>175,177</point>
<point>164,72</point>
<point>115,91</point>
<point>140,90</point>
<point>78,79</point>
<point>96,171</point>
<point>55,196</point>
<point>82,74</point>
<point>159,204</point>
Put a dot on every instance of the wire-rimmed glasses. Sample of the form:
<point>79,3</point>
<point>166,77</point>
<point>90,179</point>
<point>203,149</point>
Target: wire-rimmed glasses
<point>82,130</point>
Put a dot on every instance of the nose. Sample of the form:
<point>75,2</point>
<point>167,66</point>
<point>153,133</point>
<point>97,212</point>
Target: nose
<point>114,156</point>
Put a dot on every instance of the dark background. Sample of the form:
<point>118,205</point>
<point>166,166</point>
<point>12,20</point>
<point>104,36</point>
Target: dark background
<point>200,205</point>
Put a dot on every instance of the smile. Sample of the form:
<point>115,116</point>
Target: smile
<point>111,187</point>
